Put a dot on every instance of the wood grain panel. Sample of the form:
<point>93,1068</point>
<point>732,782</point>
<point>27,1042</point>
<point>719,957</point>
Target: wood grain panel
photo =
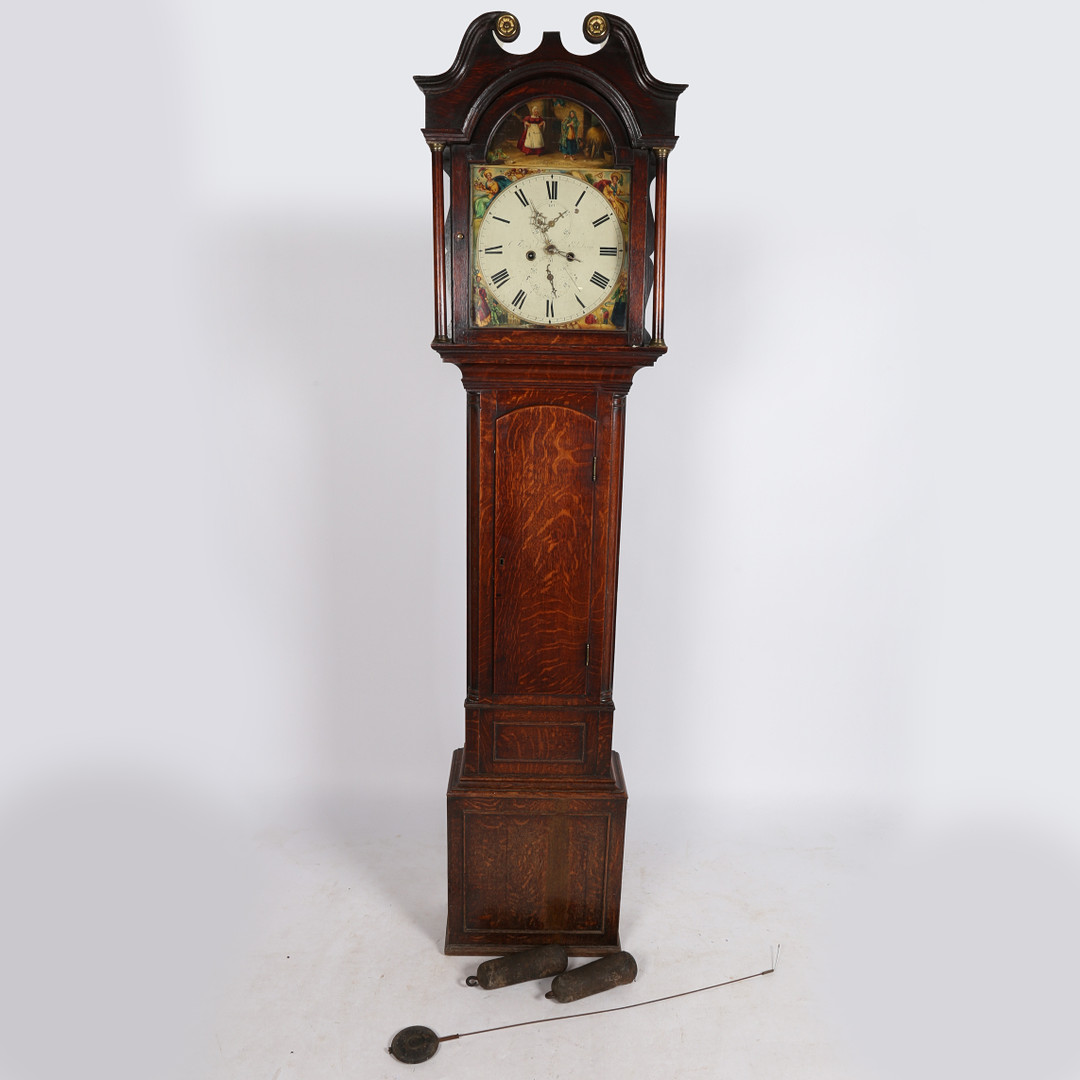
<point>543,523</point>
<point>507,858</point>
<point>536,872</point>
<point>539,742</point>
<point>587,863</point>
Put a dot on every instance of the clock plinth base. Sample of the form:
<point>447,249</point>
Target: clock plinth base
<point>534,862</point>
<point>505,950</point>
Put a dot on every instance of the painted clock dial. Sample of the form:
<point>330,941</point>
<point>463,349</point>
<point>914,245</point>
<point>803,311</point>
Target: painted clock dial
<point>550,248</point>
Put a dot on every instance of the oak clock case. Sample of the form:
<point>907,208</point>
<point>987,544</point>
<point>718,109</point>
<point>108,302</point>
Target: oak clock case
<point>545,264</point>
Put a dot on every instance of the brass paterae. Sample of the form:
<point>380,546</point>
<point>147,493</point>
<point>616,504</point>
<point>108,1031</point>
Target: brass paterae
<point>596,27</point>
<point>507,26</point>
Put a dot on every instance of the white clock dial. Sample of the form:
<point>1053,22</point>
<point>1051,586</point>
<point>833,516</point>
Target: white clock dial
<point>550,248</point>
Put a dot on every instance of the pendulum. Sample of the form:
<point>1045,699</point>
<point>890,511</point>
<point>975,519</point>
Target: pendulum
<point>413,1045</point>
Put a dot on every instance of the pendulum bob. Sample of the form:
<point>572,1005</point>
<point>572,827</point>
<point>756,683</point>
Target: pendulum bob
<point>539,963</point>
<point>603,974</point>
<point>415,1044</point>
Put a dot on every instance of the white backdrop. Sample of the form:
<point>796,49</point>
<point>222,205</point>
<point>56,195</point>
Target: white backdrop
<point>233,471</point>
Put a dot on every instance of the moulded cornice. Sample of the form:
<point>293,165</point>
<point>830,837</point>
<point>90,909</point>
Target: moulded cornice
<point>483,69</point>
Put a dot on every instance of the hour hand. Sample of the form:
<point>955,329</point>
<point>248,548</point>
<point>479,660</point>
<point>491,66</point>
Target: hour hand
<point>551,249</point>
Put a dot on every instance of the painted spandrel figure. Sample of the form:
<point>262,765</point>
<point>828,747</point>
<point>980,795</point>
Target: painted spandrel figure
<point>532,132</point>
<point>610,189</point>
<point>487,187</point>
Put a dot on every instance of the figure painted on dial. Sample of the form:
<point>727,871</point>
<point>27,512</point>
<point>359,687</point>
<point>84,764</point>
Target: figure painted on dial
<point>610,190</point>
<point>569,144</point>
<point>532,132</point>
<point>488,186</point>
<point>483,311</point>
<point>618,305</point>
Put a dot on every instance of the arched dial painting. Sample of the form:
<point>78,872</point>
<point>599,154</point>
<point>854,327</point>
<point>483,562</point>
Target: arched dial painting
<point>550,222</point>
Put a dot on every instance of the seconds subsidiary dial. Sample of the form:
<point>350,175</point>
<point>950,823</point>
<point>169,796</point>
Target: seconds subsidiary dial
<point>550,248</point>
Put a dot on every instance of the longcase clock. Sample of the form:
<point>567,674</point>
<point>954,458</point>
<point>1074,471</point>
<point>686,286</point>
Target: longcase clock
<point>549,296</point>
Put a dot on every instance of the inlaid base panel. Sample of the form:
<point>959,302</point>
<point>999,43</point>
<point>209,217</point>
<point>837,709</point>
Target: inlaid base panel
<point>534,864</point>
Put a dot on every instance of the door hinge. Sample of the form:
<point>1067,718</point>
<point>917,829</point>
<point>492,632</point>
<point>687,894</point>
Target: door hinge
<point>594,468</point>
<point>588,649</point>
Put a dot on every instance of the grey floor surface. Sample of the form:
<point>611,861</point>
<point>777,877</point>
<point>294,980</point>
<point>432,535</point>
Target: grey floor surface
<point>932,951</point>
<point>346,950</point>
